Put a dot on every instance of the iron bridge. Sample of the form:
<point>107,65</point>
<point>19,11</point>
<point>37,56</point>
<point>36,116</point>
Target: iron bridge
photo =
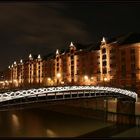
<point>67,92</point>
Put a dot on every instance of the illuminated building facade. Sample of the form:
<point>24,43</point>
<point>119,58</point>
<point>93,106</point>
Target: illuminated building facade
<point>112,63</point>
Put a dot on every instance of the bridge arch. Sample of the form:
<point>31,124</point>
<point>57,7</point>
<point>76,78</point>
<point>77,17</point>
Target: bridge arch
<point>68,90</point>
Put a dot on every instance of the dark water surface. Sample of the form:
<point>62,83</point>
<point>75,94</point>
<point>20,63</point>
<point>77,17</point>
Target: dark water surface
<point>42,123</point>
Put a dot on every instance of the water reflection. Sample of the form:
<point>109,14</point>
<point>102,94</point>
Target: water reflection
<point>43,123</point>
<point>15,121</point>
<point>37,122</point>
<point>50,133</point>
<point>15,124</point>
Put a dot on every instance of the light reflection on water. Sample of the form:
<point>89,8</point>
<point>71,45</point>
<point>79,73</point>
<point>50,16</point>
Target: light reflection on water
<point>37,122</point>
<point>50,133</point>
<point>43,123</point>
<point>15,120</point>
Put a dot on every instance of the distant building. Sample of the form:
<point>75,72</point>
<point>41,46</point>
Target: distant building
<point>112,63</point>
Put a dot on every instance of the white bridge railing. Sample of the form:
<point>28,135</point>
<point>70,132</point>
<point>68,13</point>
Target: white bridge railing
<point>50,90</point>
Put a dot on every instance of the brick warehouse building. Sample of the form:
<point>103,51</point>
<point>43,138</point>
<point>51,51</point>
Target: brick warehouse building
<point>115,62</point>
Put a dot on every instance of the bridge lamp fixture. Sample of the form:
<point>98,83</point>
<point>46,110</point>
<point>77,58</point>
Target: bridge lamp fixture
<point>58,75</point>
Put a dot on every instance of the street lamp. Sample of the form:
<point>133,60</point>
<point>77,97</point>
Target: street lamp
<point>104,80</point>
<point>86,78</point>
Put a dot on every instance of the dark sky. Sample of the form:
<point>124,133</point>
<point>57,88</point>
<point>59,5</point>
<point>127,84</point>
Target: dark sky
<point>40,28</point>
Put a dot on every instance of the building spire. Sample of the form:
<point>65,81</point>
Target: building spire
<point>103,40</point>
<point>39,57</point>
<point>30,56</point>
<point>21,61</point>
<point>15,63</point>
<point>57,52</point>
<point>71,44</point>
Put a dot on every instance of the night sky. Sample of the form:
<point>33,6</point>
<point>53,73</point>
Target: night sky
<point>41,28</point>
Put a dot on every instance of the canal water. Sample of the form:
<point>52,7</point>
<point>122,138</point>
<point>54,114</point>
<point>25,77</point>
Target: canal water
<point>43,123</point>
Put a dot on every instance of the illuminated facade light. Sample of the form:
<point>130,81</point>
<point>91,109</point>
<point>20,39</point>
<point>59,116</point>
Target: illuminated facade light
<point>12,66</point>
<point>62,82</point>
<point>49,79</point>
<point>9,67</point>
<point>15,81</point>
<point>58,75</point>
<point>105,79</point>
<point>86,77</point>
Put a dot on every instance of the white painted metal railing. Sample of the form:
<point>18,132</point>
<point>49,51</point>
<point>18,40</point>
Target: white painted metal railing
<point>31,92</point>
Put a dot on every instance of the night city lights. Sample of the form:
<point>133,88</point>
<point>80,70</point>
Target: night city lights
<point>70,69</point>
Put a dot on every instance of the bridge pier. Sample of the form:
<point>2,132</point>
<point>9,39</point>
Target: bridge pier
<point>137,113</point>
<point>126,112</point>
<point>121,112</point>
